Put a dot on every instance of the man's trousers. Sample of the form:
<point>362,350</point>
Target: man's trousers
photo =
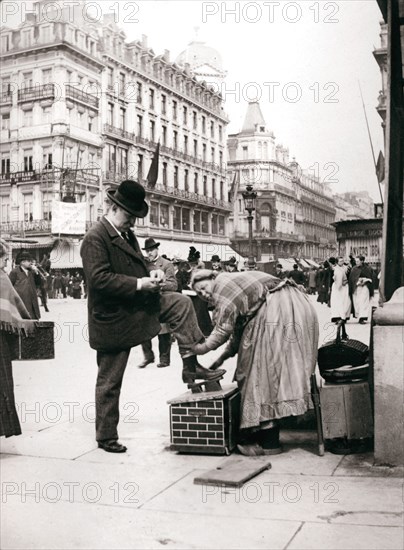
<point>176,310</point>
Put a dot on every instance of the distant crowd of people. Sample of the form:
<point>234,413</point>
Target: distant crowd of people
<point>344,286</point>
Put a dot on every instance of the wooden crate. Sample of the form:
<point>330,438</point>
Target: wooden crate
<point>205,423</point>
<point>346,410</point>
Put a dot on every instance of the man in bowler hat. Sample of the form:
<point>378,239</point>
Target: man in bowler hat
<point>155,261</point>
<point>125,306</point>
<point>25,278</point>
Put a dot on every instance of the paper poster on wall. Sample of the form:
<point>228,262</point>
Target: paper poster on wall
<point>69,218</point>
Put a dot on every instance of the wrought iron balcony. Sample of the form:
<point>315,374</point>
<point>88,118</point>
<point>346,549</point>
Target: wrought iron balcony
<point>113,130</point>
<point>6,98</point>
<point>83,97</point>
<point>168,191</point>
<point>36,93</point>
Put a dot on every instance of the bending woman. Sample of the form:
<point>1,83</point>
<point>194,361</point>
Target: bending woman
<point>274,329</point>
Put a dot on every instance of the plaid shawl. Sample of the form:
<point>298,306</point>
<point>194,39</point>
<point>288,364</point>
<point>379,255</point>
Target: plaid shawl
<point>238,295</point>
<point>14,316</point>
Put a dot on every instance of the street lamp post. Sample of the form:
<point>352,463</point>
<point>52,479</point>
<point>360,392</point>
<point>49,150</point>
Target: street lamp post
<point>249,197</point>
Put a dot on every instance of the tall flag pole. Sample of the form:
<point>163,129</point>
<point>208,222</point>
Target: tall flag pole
<point>153,173</point>
<point>371,144</point>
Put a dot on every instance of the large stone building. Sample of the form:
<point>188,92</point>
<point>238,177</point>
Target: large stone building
<point>353,205</point>
<point>294,209</point>
<point>82,109</point>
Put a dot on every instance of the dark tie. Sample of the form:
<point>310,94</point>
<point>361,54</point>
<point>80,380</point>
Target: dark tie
<point>126,237</point>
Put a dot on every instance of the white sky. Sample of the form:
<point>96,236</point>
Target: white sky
<point>272,49</point>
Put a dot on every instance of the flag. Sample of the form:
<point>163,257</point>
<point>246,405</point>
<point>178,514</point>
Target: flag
<point>380,172</point>
<point>154,168</point>
<point>234,187</point>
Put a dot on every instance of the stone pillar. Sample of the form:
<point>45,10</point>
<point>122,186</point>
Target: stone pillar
<point>388,356</point>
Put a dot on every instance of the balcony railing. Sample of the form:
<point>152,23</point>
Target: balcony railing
<point>82,97</point>
<point>6,98</point>
<point>35,93</point>
<point>267,235</point>
<point>188,196</point>
<point>215,167</point>
<point>109,129</point>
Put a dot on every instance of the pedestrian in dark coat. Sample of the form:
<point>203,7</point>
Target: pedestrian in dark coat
<point>297,276</point>
<point>324,282</point>
<point>25,279</point>
<point>155,261</point>
<point>125,306</point>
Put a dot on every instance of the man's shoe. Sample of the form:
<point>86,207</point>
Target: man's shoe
<point>145,362</point>
<point>163,364</point>
<point>205,374</point>
<point>112,446</point>
<point>201,374</point>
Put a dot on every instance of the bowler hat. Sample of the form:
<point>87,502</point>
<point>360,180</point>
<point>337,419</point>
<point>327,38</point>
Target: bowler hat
<point>215,258</point>
<point>150,243</point>
<point>24,256</point>
<point>130,196</point>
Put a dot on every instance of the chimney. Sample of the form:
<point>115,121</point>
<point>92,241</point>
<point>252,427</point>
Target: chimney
<point>166,55</point>
<point>144,40</point>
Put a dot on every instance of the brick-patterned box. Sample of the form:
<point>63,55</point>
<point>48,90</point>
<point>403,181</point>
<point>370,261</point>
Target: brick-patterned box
<point>205,423</point>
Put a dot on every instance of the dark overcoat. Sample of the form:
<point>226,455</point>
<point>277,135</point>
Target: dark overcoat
<point>26,286</point>
<point>119,317</point>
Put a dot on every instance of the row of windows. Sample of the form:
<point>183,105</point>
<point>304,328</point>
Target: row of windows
<point>46,207</point>
<point>81,117</point>
<point>28,164</point>
<point>46,35</point>
<point>177,112</point>
<point>181,219</point>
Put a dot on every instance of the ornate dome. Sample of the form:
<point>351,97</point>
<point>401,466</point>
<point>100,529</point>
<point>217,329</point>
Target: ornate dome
<point>198,55</point>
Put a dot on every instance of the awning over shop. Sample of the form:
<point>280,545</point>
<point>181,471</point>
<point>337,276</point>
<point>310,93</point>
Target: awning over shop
<point>66,254</point>
<point>304,263</point>
<point>35,242</point>
<point>313,263</point>
<point>207,250</point>
<point>287,263</point>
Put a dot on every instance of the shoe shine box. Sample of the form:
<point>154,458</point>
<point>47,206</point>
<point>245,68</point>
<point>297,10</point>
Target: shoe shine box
<point>206,422</point>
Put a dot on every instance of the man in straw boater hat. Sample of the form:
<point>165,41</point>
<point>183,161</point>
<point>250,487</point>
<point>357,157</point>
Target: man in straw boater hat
<point>155,261</point>
<point>125,306</point>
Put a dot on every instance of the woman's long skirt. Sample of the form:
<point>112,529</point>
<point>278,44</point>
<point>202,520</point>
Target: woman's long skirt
<point>340,303</point>
<point>9,422</point>
<point>361,301</point>
<point>276,356</point>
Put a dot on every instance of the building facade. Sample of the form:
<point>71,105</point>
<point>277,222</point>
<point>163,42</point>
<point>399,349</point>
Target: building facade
<point>82,109</point>
<point>353,205</point>
<point>294,210</point>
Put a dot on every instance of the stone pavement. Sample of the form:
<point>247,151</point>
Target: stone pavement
<point>59,491</point>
